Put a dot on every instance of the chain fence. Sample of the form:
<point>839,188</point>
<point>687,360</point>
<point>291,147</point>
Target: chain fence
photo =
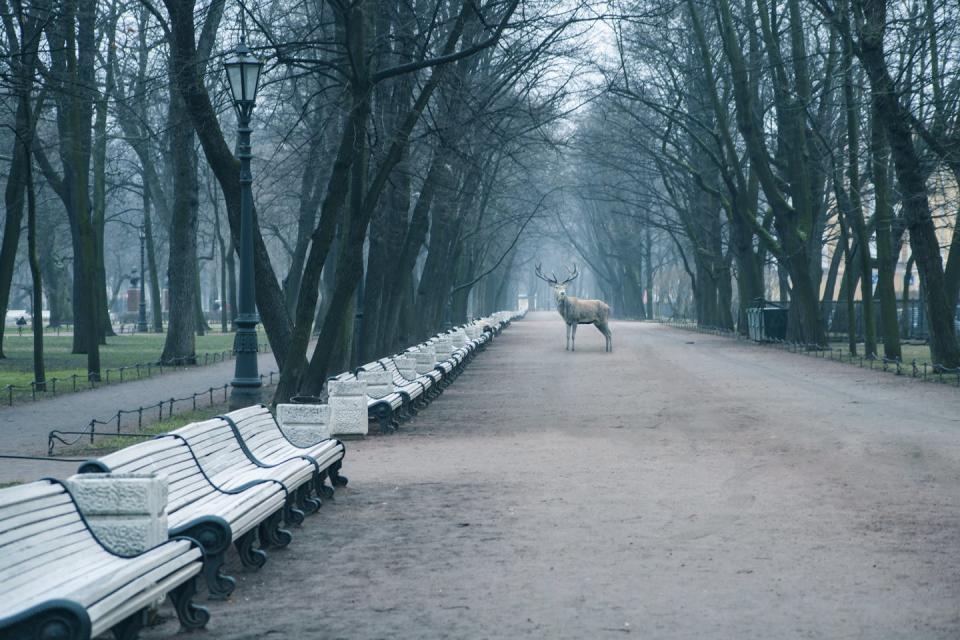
<point>130,419</point>
<point>35,390</point>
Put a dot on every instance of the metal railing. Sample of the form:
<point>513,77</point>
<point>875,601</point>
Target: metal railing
<point>164,409</point>
<point>126,373</point>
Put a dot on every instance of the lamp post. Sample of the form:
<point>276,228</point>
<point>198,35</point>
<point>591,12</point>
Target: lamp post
<point>142,310</point>
<point>243,75</point>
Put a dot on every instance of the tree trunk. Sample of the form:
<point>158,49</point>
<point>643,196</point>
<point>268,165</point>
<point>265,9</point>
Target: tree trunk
<point>271,304</point>
<point>886,260</point>
<point>13,199</point>
<point>156,299</point>
<point>906,319</point>
<point>180,344</point>
<point>23,64</point>
<point>855,211</point>
<point>36,310</point>
<point>923,237</point>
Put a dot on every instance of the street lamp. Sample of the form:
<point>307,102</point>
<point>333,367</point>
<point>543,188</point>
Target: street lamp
<point>142,310</point>
<point>243,75</point>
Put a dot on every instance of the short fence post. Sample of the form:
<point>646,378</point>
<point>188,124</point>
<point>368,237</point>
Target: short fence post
<point>194,402</point>
<point>33,390</point>
<point>54,385</point>
<point>119,413</point>
<point>10,394</point>
<point>139,418</point>
<point>211,395</point>
<point>93,429</point>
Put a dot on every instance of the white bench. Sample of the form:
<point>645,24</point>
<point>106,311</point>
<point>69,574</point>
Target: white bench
<point>58,581</point>
<point>408,383</point>
<point>201,508</point>
<point>224,459</point>
<point>266,444</point>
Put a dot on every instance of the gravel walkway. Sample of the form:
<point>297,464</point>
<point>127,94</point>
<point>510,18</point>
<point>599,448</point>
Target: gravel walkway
<point>24,428</point>
<point>684,486</point>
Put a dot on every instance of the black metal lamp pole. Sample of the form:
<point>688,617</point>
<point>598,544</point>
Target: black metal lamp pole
<point>243,73</point>
<point>142,310</point>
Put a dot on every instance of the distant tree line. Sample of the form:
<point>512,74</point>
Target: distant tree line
<point>803,138</point>
<point>395,145</point>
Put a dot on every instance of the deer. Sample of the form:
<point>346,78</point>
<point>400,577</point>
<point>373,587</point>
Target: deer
<point>576,311</point>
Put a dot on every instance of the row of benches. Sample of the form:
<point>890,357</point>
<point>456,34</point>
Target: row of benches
<point>235,480</point>
<point>398,388</point>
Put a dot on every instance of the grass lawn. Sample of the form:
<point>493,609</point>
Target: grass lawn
<point>108,444</point>
<point>909,352</point>
<point>120,351</point>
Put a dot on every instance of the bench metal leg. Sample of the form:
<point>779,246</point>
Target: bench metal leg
<point>213,535</point>
<point>292,515</point>
<point>336,479</point>
<point>129,628</point>
<point>305,502</point>
<point>219,585</point>
<point>411,408</point>
<point>191,616</point>
<point>250,557</point>
<point>385,419</point>
<point>322,490</point>
<point>271,534</point>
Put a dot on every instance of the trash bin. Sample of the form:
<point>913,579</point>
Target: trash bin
<point>307,400</point>
<point>767,321</point>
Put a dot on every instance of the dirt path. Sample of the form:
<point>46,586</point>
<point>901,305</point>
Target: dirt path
<point>669,490</point>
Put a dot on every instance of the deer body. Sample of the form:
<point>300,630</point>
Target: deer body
<point>575,311</point>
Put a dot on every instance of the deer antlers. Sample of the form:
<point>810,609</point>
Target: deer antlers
<point>555,280</point>
<point>539,274</point>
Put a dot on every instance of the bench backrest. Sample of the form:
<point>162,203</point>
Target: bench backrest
<point>41,535</point>
<point>258,428</point>
<point>215,446</point>
<point>165,456</point>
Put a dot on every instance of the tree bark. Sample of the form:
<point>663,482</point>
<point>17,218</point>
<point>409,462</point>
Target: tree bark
<point>886,259</point>
<point>180,344</point>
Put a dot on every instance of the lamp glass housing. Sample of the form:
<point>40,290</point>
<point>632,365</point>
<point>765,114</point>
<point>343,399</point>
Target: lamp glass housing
<point>243,75</point>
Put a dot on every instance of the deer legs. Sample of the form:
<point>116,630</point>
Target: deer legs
<point>571,337</point>
<point>604,328</point>
<point>608,336</point>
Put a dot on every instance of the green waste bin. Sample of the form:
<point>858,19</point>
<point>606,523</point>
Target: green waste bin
<point>767,321</point>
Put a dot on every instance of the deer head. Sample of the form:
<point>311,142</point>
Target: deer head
<point>559,286</point>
